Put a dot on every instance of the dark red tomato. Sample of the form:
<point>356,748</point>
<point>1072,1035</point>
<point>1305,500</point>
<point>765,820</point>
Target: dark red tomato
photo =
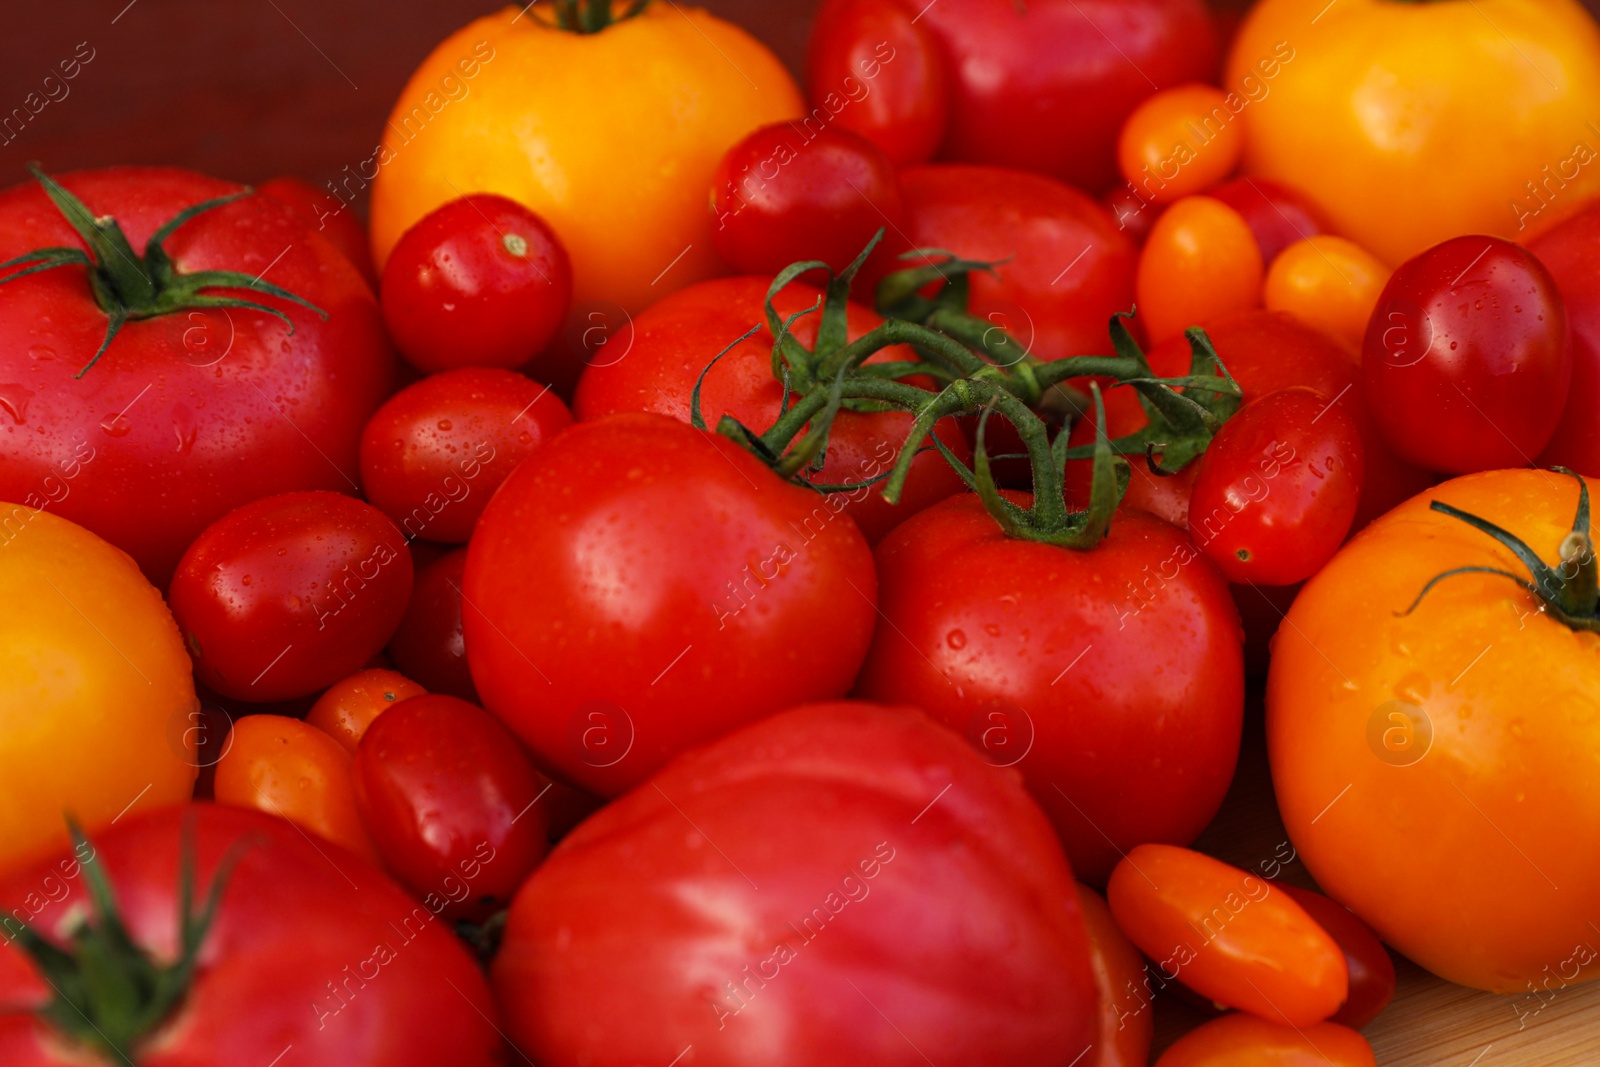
<point>1467,360</point>
<point>676,338</point>
<point>638,587</point>
<point>1112,679</point>
<point>1134,214</point>
<point>314,958</point>
<point>190,414</point>
<point>436,451</point>
<point>871,68</point>
<point>1277,214</point>
<point>451,801</point>
<point>428,646</point>
<point>479,282</point>
<point>1371,970</point>
<point>922,908</point>
<point>330,216</point>
<point>1571,253</point>
<point>789,192</point>
<point>289,594</point>
<point>1278,487</point>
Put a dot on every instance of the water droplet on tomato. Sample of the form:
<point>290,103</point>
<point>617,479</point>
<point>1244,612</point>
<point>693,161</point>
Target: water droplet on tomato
<point>956,639</point>
<point>991,629</point>
<point>444,424</point>
<point>184,428</point>
<point>14,400</point>
<point>42,352</point>
<point>116,424</point>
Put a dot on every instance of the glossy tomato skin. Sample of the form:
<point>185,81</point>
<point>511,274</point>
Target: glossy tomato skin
<point>1112,679</point>
<point>675,340</point>
<point>1371,970</point>
<point>1127,1025</point>
<point>871,68</point>
<point>287,595</point>
<point>1569,253</point>
<point>1467,360</point>
<point>960,925</point>
<point>314,950</point>
<point>237,407</point>
<point>330,216</point>
<point>435,452</point>
<point>348,707</point>
<point>638,587</point>
<point>1244,1039</point>
<point>1277,214</point>
<point>429,645</point>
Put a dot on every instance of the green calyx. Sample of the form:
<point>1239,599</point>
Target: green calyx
<point>592,16</point>
<point>129,286</point>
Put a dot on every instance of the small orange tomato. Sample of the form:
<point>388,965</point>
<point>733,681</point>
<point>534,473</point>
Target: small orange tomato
<point>1179,142</point>
<point>285,768</point>
<point>346,710</point>
<point>1329,283</point>
<point>1243,1039</point>
<point>1127,1023</point>
<point>1201,261</point>
<point>1228,934</point>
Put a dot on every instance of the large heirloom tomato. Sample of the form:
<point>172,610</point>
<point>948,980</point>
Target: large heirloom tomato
<point>839,884</point>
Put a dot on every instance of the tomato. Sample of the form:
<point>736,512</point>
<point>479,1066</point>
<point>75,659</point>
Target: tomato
<point>428,645</point>
<point>97,703</point>
<point>328,215</point>
<point>675,340</point>
<point>1329,282</point>
<point>437,450</point>
<point>1277,214</point>
<point>1568,253</point>
<point>1386,727</point>
<point>348,707</point>
<point>871,69</point>
<point>1278,487</point>
<point>310,950</point>
<point>926,910</point>
<point>1467,361</point>
<point>638,587</point>
<point>1125,1032</point>
<point>1228,935</point>
<point>1369,119</point>
<point>190,414</point>
<point>1111,678</point>
<point>289,594</point>
<point>1371,970</point>
<point>496,109</point>
<point>1200,262</point>
<point>1179,142</point>
<point>1243,1039</point>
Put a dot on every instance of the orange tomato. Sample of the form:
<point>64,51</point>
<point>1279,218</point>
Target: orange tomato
<point>1127,1022</point>
<point>348,707</point>
<point>97,698</point>
<point>1327,282</point>
<point>1201,261</point>
<point>1178,142</point>
<point>1245,1041</point>
<point>1228,935</point>
<point>1437,769</point>
<point>285,768</point>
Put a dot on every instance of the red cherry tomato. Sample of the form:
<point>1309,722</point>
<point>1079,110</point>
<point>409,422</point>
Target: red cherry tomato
<point>479,282</point>
<point>1278,487</point>
<point>330,216</point>
<point>1127,1025</point>
<point>1235,1040</point>
<point>428,645</point>
<point>872,69</point>
<point>437,450</point>
<point>1467,360</point>
<point>1277,214</point>
<point>1571,253</point>
<point>1372,976</point>
<point>289,594</point>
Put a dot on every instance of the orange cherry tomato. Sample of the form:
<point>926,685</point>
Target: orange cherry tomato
<point>1245,1041</point>
<point>1127,1024</point>
<point>1179,142</point>
<point>1328,282</point>
<point>1200,262</point>
<point>286,768</point>
<point>346,710</point>
<point>1227,934</point>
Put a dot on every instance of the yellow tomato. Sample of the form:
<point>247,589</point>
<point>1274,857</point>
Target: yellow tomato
<point>1409,123</point>
<point>1329,283</point>
<point>96,690</point>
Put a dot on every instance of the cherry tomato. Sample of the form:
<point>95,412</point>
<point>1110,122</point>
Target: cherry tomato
<point>437,450</point>
<point>1329,282</point>
<point>330,216</point>
<point>1468,360</point>
<point>287,768</point>
<point>1235,1040</point>
<point>1228,935</point>
<point>289,594</point>
<point>1277,214</point>
<point>1199,263</point>
<point>1127,1025</point>
<point>1179,142</point>
<point>348,707</point>
<point>1571,253</point>
<point>873,69</point>
<point>1372,976</point>
<point>428,645</point>
<point>1278,487</point>
<point>479,282</point>
<point>789,192</point>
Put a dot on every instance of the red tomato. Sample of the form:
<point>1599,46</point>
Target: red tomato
<point>348,707</point>
<point>1112,678</point>
<point>1126,1025</point>
<point>190,414</point>
<point>1571,253</point>
<point>1277,214</point>
<point>925,910</point>
<point>289,594</point>
<point>872,69</point>
<point>1371,970</point>
<point>428,645</point>
<point>675,339</point>
<point>437,450</point>
<point>330,216</point>
<point>1234,1040</point>
<point>638,587</point>
<point>311,950</point>
<point>479,282</point>
<point>1468,360</point>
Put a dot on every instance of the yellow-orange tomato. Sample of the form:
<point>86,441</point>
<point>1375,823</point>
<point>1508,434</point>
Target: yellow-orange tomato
<point>1245,1041</point>
<point>1437,770</point>
<point>1327,282</point>
<point>1127,1020</point>
<point>1201,261</point>
<point>1229,935</point>
<point>348,707</point>
<point>1178,142</point>
<point>1409,123</point>
<point>285,768</point>
<point>96,692</point>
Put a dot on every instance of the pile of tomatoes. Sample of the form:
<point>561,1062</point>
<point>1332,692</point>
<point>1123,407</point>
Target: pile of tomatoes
<point>804,581</point>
